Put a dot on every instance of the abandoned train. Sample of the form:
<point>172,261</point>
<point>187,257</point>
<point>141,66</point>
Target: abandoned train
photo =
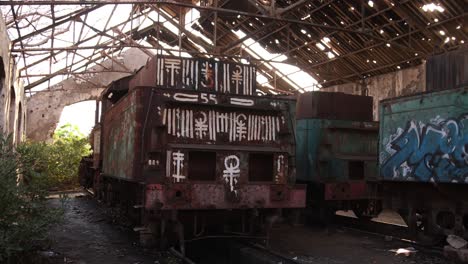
<point>415,162</point>
<point>336,154</point>
<point>185,146</point>
<point>187,141</point>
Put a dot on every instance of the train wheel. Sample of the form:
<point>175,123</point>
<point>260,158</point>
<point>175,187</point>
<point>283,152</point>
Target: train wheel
<point>421,226</point>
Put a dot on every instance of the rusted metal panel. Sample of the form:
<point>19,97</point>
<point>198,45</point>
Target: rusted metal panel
<point>346,190</point>
<point>96,146</point>
<point>120,130</point>
<point>200,74</point>
<point>117,89</point>
<point>215,196</point>
<point>336,150</point>
<point>448,70</point>
<point>333,105</point>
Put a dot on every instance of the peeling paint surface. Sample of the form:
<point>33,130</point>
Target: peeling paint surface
<point>119,138</point>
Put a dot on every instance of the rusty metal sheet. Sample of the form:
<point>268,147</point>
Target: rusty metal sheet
<point>198,74</point>
<point>447,71</point>
<point>334,105</point>
<point>346,190</point>
<point>231,167</point>
<point>213,196</point>
<point>119,135</point>
<point>96,146</point>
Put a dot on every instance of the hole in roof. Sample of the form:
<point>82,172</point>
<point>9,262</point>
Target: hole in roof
<point>432,7</point>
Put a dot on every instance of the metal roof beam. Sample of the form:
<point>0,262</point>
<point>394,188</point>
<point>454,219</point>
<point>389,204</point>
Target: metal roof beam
<point>53,25</point>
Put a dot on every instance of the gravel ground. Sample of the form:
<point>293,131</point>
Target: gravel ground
<point>88,235</point>
<point>344,246</point>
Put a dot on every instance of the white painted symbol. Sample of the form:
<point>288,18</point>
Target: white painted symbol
<point>178,165</point>
<point>237,77</point>
<point>241,101</point>
<point>207,73</point>
<point>172,67</point>
<point>279,167</point>
<point>222,122</point>
<point>280,163</point>
<point>241,128</point>
<point>183,97</point>
<point>232,171</point>
<point>201,127</point>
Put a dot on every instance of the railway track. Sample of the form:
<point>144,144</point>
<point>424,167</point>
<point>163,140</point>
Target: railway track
<point>234,251</point>
<point>269,256</point>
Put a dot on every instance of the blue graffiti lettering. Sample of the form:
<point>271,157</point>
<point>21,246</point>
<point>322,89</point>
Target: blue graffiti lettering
<point>425,152</point>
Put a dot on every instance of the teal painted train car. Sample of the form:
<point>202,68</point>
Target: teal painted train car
<point>424,138</point>
<point>423,161</point>
<point>336,151</point>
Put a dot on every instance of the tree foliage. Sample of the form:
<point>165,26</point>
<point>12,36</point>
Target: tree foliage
<point>65,153</point>
<point>24,217</point>
<point>27,173</point>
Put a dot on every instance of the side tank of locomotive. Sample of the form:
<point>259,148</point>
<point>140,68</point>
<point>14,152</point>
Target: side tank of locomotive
<point>337,152</point>
<point>193,134</point>
<point>423,145</point>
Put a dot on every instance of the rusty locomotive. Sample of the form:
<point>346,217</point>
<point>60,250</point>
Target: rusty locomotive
<point>185,145</point>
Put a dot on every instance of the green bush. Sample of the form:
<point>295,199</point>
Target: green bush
<point>58,161</point>
<point>24,215</point>
<point>65,154</point>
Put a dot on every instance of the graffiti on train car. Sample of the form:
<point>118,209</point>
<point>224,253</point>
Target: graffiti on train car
<point>212,124</point>
<point>205,74</point>
<point>435,151</point>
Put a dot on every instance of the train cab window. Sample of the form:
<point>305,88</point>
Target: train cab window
<point>202,166</point>
<point>260,167</point>
<point>356,170</point>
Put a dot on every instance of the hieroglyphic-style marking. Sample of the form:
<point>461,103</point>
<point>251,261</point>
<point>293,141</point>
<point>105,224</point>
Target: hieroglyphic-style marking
<point>172,67</point>
<point>241,129</point>
<point>200,126</point>
<point>178,165</point>
<point>279,167</point>
<point>184,97</point>
<point>208,124</point>
<point>231,170</point>
<point>207,73</point>
<point>241,101</point>
<point>237,77</point>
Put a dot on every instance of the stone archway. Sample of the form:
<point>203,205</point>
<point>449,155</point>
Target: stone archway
<point>12,112</point>
<point>45,107</point>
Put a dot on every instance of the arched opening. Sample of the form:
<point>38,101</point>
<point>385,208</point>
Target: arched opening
<point>19,128</point>
<point>12,113</point>
<point>2,74</point>
<point>80,115</point>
